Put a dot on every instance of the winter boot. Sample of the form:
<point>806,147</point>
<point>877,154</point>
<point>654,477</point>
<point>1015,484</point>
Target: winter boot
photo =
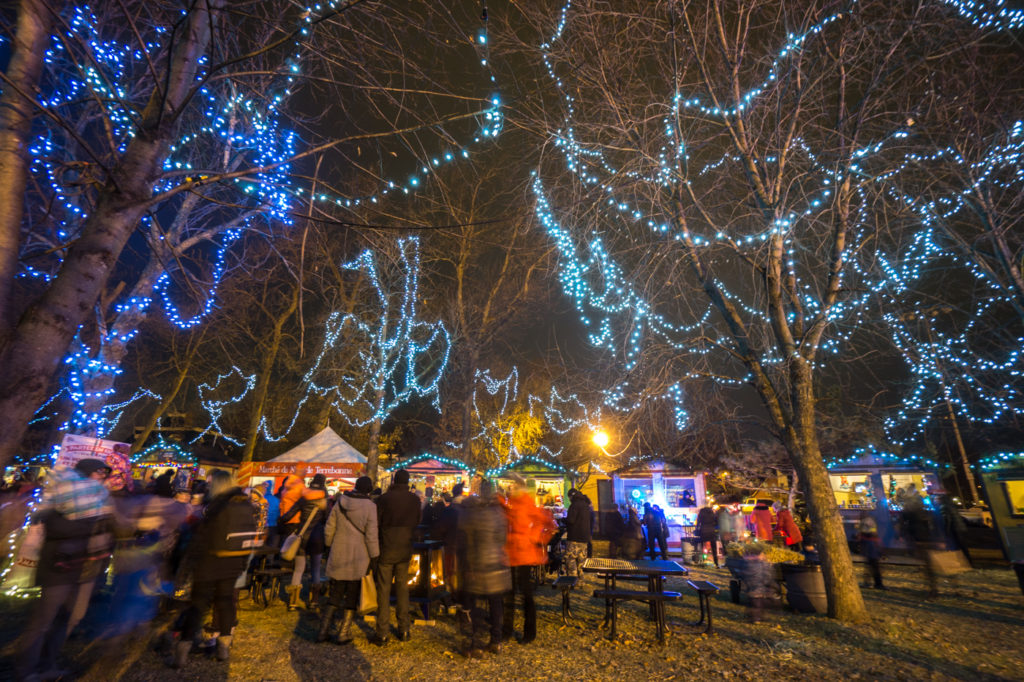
<point>224,647</point>
<point>314,597</point>
<point>179,654</point>
<point>326,622</point>
<point>293,596</point>
<point>345,635</point>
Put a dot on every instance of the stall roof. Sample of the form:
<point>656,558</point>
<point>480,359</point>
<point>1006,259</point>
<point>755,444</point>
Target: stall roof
<point>876,460</point>
<point>647,467</point>
<point>326,446</point>
<point>432,464</point>
<point>529,466</point>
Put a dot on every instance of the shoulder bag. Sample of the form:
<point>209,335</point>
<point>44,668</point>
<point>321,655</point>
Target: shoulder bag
<point>290,546</point>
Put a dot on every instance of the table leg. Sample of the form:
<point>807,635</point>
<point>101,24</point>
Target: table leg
<point>660,609</point>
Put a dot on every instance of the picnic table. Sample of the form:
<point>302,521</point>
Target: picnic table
<point>632,569</point>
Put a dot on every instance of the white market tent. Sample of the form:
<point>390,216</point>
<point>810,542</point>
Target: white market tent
<point>326,446</point>
<point>325,453</point>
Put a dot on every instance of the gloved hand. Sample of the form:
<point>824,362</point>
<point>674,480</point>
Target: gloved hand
<point>373,565</point>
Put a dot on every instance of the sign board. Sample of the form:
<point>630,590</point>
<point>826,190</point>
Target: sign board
<point>74,448</point>
<point>328,469</point>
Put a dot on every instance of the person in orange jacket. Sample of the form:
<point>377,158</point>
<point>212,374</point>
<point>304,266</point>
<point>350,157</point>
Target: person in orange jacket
<point>289,493</point>
<point>761,520</point>
<point>530,528</point>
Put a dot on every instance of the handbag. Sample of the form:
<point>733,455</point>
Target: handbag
<point>947,563</point>
<point>290,546</point>
<point>367,595</point>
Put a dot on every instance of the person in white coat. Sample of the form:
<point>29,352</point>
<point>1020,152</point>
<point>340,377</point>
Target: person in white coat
<point>351,534</point>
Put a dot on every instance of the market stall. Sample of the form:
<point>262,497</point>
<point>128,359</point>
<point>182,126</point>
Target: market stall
<point>678,492</point>
<point>1002,478</point>
<point>188,462</point>
<point>431,473</point>
<point>325,453</point>
<point>550,481</point>
<point>870,482</point>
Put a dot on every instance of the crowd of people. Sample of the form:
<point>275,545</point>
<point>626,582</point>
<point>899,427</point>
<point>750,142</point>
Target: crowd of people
<point>184,549</point>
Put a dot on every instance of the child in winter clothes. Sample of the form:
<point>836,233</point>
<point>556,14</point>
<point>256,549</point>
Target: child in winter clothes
<point>759,577</point>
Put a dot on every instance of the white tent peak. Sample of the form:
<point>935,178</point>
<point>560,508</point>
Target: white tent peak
<point>326,446</point>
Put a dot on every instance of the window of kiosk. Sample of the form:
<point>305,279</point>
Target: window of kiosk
<point>1014,491</point>
<point>893,483</point>
<point>852,491</point>
<point>637,492</point>
<point>680,493</point>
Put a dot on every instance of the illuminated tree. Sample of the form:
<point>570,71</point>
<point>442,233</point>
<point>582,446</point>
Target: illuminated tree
<point>169,124</point>
<point>715,185</point>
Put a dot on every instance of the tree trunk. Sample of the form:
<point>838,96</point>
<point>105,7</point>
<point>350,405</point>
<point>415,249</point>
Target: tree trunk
<point>17,110</point>
<point>845,601</point>
<point>373,448</point>
<point>35,347</point>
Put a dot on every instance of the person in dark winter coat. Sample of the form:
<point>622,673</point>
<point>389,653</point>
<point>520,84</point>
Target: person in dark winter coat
<point>217,555</point>
<point>616,529</point>
<point>351,533</point>
<point>706,531</point>
<point>657,531</point>
<point>632,541</point>
<point>398,514</point>
<point>447,531</point>
<point>871,548</point>
<point>76,515</point>
<point>579,523</point>
<point>919,532</point>
<point>483,532</point>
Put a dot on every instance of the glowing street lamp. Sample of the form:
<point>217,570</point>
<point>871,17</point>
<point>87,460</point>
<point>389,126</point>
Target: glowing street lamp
<point>601,439</point>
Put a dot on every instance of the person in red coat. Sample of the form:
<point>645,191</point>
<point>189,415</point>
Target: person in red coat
<point>787,527</point>
<point>530,528</point>
<point>761,520</point>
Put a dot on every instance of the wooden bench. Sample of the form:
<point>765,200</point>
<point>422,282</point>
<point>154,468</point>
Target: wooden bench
<point>704,591</point>
<point>652,598</point>
<point>565,583</point>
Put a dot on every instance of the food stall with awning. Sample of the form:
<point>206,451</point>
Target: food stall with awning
<point>432,471</point>
<point>325,453</point>
<point>552,480</point>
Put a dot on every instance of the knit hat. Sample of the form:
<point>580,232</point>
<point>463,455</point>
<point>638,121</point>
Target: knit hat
<point>457,490</point>
<point>401,477</point>
<point>364,485</point>
<point>89,466</point>
<point>319,482</point>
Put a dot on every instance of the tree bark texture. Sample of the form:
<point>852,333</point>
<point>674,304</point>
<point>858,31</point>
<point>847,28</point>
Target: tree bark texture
<point>31,38</point>
<point>35,347</point>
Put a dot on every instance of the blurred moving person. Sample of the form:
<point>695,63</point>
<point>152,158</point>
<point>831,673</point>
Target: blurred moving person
<point>77,518</point>
<point>483,532</point>
<point>217,555</point>
<point>529,529</point>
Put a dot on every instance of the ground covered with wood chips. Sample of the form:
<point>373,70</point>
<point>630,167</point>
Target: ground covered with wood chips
<point>973,631</point>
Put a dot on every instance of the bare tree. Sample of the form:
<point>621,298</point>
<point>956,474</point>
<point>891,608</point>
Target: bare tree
<point>712,185</point>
